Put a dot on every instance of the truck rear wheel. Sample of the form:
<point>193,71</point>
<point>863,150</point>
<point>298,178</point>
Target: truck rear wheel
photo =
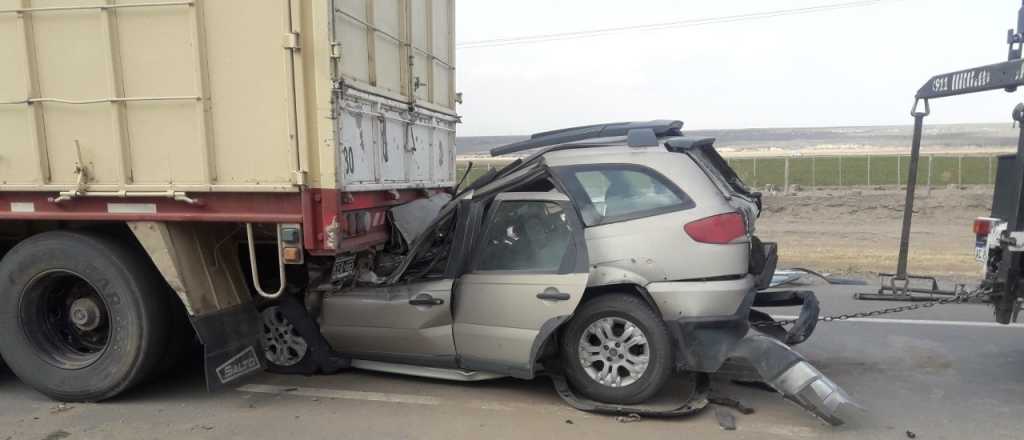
<point>84,317</point>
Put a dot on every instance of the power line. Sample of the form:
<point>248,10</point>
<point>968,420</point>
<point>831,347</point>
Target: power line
<point>543,38</point>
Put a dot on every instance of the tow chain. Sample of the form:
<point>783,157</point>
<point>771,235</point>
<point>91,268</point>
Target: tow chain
<point>957,299</point>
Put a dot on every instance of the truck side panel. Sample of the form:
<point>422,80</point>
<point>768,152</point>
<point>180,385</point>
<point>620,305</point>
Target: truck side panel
<point>19,161</point>
<point>379,37</point>
<point>125,89</point>
<point>148,96</point>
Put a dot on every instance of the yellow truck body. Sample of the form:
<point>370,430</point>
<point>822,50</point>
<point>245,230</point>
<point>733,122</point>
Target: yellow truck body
<point>149,98</point>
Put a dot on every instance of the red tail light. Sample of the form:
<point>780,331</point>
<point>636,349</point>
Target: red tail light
<point>982,226</point>
<point>718,229</point>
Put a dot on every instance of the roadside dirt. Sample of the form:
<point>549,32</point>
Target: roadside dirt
<point>855,232</point>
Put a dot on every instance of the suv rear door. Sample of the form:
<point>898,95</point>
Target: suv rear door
<point>527,275</point>
<point>703,152</point>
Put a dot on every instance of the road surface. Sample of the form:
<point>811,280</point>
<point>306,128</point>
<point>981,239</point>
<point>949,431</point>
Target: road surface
<point>940,373</point>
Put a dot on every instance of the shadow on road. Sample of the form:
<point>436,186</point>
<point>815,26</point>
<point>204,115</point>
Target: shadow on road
<point>184,378</point>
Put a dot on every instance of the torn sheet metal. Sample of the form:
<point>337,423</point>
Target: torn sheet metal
<point>726,420</point>
<point>693,403</point>
<point>796,379</point>
<point>414,217</point>
<point>804,325</point>
<point>782,277</point>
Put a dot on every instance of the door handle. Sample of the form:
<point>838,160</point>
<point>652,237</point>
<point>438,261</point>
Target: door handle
<point>426,300</point>
<point>552,294</point>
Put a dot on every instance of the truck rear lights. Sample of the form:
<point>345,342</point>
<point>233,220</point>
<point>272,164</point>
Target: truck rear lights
<point>291,255</point>
<point>291,235</point>
<point>289,240</point>
<point>983,225</point>
<point>718,229</point>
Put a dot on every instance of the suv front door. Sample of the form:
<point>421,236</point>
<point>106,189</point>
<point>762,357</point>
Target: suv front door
<point>527,275</point>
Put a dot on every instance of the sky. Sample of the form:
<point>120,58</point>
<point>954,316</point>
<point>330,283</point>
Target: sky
<point>848,67</point>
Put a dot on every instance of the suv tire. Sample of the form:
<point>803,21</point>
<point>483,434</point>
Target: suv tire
<point>283,347</point>
<point>83,316</point>
<point>638,334</point>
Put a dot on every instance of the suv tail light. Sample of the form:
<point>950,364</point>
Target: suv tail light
<point>718,229</point>
<point>982,226</point>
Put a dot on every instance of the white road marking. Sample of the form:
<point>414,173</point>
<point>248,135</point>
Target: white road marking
<point>340,394</point>
<point>922,322</point>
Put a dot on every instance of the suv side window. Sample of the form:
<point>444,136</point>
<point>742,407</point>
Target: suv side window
<point>612,193</point>
<point>526,235</point>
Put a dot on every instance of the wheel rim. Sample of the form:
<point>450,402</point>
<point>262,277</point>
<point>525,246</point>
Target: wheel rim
<point>614,352</point>
<point>282,344</point>
<point>66,319</point>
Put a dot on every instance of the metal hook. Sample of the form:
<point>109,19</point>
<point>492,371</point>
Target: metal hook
<point>927,108</point>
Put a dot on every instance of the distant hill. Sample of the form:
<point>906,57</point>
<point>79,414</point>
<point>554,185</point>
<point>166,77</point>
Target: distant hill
<point>936,136</point>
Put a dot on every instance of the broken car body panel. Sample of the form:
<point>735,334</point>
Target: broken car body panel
<point>795,378</point>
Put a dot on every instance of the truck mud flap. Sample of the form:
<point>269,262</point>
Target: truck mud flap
<point>805,323</point>
<point>695,402</point>
<point>796,379</point>
<point>231,344</point>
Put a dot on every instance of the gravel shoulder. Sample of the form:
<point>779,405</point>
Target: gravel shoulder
<point>857,231</point>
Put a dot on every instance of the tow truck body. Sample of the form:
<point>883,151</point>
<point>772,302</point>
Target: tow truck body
<point>1000,235</point>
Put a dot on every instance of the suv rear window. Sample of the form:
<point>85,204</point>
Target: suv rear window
<point>718,165</point>
<point>610,193</point>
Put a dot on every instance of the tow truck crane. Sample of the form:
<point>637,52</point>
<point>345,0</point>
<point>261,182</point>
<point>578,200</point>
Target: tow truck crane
<point>1005,264</point>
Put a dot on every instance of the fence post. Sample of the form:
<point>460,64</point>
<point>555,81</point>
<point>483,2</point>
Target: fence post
<point>814,174</point>
<point>840,170</point>
<point>785,178</point>
<point>930,160</point>
<point>990,181</point>
<point>899,171</point>
<point>960,171</point>
<point>756,183</point>
<point>869,170</point>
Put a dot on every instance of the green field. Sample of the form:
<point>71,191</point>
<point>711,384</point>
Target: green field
<point>830,171</point>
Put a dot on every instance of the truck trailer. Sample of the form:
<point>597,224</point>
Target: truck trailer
<point>163,160</point>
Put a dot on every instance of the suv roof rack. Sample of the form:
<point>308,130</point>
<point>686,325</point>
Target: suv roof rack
<point>659,128</point>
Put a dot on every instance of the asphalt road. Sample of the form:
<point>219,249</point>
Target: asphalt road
<point>943,373</point>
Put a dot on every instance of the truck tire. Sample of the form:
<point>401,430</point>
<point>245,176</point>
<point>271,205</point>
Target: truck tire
<point>182,341</point>
<point>617,350</point>
<point>83,315</point>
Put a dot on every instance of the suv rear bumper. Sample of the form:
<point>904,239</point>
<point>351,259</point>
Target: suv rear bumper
<point>704,339</point>
<point>704,344</point>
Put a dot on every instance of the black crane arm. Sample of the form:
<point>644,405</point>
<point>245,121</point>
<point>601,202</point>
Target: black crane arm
<point>1006,75</point>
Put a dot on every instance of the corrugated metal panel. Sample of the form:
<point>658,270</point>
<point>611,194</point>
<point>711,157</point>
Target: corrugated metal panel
<point>385,146</point>
<point>378,37</point>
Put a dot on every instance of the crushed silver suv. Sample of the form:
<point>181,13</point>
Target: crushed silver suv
<point>618,254</point>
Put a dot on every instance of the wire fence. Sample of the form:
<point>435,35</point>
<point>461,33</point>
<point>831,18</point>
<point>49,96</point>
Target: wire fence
<point>865,170</point>
<point>783,172</point>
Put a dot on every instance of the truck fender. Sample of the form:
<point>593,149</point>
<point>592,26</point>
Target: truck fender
<point>200,262</point>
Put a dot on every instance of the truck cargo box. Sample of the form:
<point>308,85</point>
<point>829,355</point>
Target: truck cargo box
<point>144,98</point>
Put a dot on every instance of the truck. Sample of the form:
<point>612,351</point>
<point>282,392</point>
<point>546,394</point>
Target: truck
<point>277,179</point>
<point>175,162</point>
<point>999,236</point>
